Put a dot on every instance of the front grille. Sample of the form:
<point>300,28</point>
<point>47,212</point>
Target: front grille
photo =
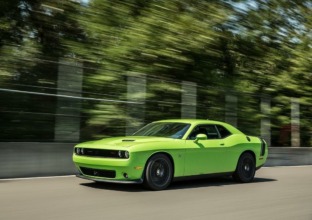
<point>97,172</point>
<point>100,153</point>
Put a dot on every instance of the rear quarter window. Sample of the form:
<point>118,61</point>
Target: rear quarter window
<point>223,131</point>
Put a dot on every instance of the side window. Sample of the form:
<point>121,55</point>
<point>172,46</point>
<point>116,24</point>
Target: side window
<point>223,131</point>
<point>209,130</point>
<point>197,130</point>
<point>212,132</point>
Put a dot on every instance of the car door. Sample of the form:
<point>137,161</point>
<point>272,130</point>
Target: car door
<point>205,156</point>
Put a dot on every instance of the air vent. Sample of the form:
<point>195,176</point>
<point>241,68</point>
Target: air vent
<point>127,140</point>
<point>97,172</point>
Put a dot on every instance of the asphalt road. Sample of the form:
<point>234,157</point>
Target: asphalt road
<point>277,193</point>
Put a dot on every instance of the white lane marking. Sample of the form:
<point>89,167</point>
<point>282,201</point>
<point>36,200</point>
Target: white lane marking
<point>41,177</point>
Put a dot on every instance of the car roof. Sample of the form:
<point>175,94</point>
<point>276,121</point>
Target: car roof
<point>195,122</point>
<point>192,121</point>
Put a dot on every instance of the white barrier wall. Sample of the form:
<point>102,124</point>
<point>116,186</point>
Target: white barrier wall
<point>265,120</point>
<point>231,109</point>
<point>69,87</point>
<point>189,100</point>
<point>136,95</point>
<point>295,122</point>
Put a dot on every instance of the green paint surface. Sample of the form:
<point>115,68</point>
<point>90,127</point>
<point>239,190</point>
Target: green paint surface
<point>189,157</point>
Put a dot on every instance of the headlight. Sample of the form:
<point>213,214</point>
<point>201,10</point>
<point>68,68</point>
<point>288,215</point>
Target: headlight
<point>123,154</point>
<point>78,150</point>
<point>120,154</point>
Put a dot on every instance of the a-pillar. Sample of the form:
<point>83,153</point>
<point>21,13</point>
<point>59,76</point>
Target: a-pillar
<point>69,87</point>
<point>189,100</point>
<point>295,122</point>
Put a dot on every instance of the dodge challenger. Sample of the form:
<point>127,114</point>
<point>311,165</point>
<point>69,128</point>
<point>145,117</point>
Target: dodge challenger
<point>168,150</point>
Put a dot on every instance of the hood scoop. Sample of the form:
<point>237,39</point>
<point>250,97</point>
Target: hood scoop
<point>128,140</point>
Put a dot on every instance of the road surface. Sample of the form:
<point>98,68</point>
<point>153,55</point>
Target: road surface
<point>277,193</point>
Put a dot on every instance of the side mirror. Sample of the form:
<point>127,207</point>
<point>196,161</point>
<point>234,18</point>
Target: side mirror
<point>200,137</point>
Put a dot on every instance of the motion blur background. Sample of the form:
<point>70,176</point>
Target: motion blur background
<point>78,70</point>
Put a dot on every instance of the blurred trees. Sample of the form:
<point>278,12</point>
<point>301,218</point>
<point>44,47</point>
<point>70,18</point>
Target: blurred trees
<point>281,31</point>
<point>251,48</point>
<point>31,43</point>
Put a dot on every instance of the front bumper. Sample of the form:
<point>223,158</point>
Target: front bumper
<point>139,181</point>
<point>110,169</point>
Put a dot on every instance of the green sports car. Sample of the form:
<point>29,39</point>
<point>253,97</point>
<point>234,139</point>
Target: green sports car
<point>169,150</point>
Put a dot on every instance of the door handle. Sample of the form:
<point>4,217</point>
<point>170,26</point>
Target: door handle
<point>222,144</point>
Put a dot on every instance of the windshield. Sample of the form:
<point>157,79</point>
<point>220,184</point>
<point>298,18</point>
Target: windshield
<point>164,129</point>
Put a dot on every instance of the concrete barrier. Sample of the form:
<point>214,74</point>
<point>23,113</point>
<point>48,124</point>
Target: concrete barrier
<point>29,159</point>
<point>289,156</point>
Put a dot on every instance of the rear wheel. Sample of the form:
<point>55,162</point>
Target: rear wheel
<point>158,172</point>
<point>246,168</point>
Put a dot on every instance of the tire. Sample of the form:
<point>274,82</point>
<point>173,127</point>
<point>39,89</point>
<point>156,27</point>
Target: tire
<point>246,168</point>
<point>158,172</point>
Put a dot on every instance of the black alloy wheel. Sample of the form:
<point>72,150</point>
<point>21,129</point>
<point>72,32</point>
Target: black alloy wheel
<point>246,168</point>
<point>158,172</point>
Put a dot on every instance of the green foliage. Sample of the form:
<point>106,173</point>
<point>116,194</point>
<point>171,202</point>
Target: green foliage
<point>250,48</point>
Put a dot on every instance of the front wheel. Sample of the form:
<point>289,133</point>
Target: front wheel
<point>158,172</point>
<point>246,168</point>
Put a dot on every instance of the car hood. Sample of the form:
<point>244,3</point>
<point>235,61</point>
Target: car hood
<point>122,142</point>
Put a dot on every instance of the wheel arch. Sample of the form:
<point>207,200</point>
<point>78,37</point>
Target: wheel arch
<point>160,152</point>
<point>248,151</point>
<point>237,175</point>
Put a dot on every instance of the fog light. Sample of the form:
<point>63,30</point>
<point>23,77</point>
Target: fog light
<point>125,175</point>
